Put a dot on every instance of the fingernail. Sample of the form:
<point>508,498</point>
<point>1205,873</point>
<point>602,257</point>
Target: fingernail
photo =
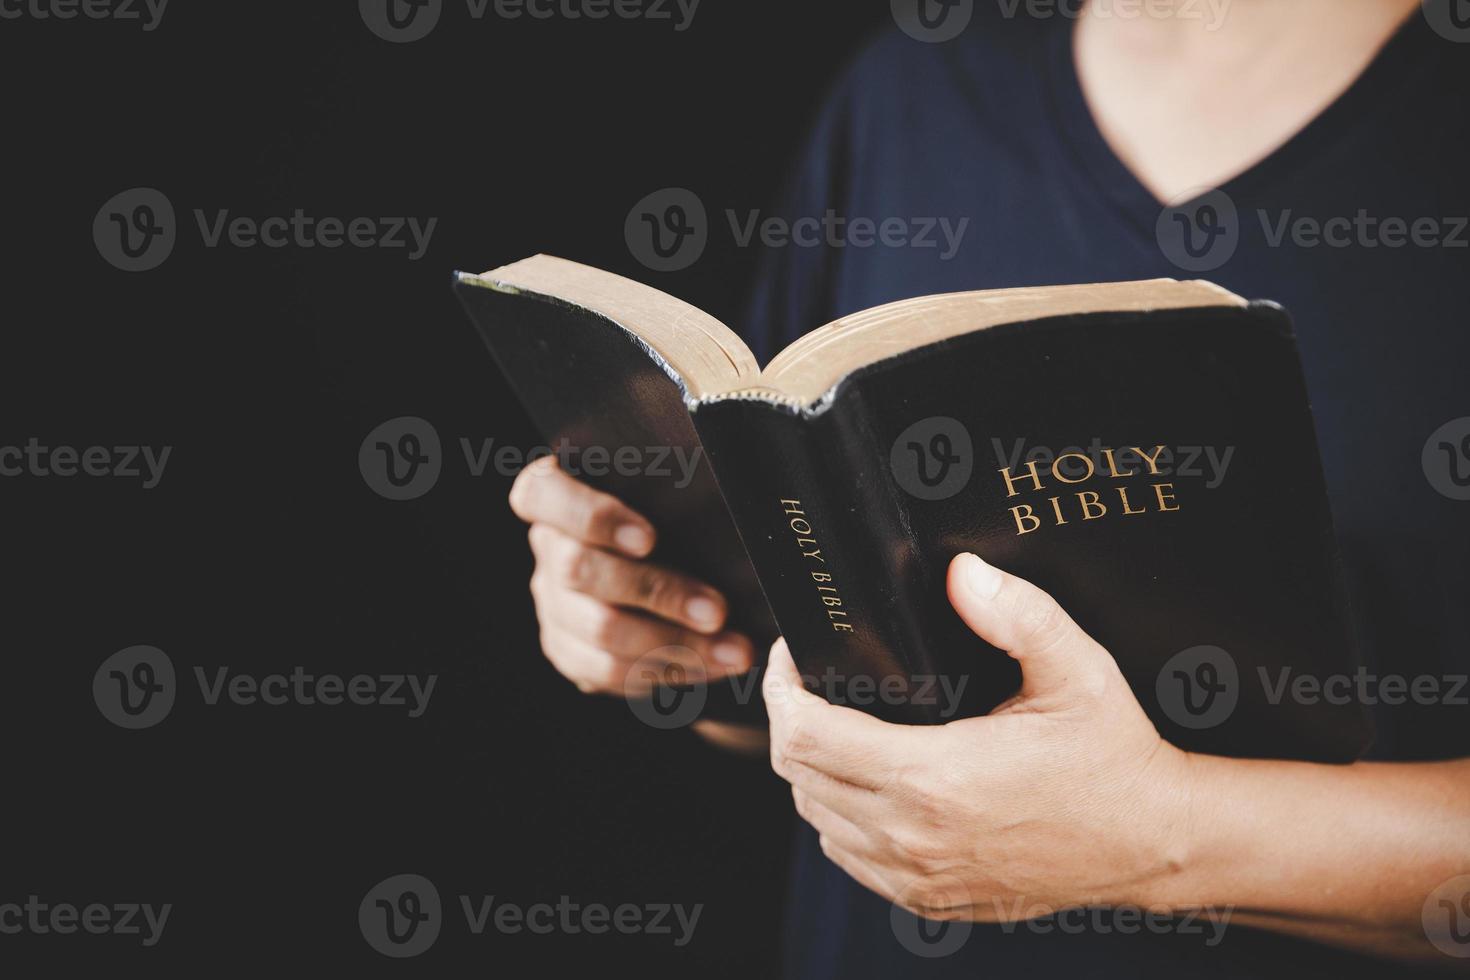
<point>983,579</point>
<point>731,653</point>
<point>634,539</point>
<point>704,611</point>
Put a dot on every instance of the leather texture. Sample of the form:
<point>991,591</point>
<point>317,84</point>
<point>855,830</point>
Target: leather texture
<point>1209,592</point>
<point>589,383</point>
<point>1205,590</point>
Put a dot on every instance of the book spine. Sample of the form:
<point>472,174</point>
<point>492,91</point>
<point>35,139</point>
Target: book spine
<point>821,535</point>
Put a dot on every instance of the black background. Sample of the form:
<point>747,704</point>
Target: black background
<point>262,549</point>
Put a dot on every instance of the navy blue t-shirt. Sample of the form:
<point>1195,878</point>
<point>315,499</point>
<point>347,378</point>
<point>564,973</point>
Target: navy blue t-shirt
<point>992,129</point>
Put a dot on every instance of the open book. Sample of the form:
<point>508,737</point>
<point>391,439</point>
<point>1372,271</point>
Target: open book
<point>1142,450</point>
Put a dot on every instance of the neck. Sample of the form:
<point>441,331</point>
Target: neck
<point>1191,92</point>
<point>1234,30</point>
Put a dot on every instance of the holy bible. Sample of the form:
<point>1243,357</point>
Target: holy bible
<point>1143,451</point>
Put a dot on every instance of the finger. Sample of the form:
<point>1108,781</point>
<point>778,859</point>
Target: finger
<point>1017,617</point>
<point>829,823</point>
<point>861,871</point>
<point>630,635</point>
<point>591,669</point>
<point>543,492</point>
<point>628,582</point>
<point>838,742</point>
<point>596,671</point>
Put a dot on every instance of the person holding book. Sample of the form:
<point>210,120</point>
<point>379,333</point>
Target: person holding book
<point>1065,139</point>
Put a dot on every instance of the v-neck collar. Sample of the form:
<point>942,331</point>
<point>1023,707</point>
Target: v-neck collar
<point>1114,180</point>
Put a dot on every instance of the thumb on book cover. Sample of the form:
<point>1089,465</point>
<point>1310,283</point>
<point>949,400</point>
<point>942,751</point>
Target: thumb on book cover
<point>1013,615</point>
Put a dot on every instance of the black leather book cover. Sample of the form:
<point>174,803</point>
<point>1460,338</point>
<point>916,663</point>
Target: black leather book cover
<point>1156,472</point>
<point>588,384</point>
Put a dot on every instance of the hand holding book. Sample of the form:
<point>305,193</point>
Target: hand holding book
<point>613,621</point>
<point>1067,787</point>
